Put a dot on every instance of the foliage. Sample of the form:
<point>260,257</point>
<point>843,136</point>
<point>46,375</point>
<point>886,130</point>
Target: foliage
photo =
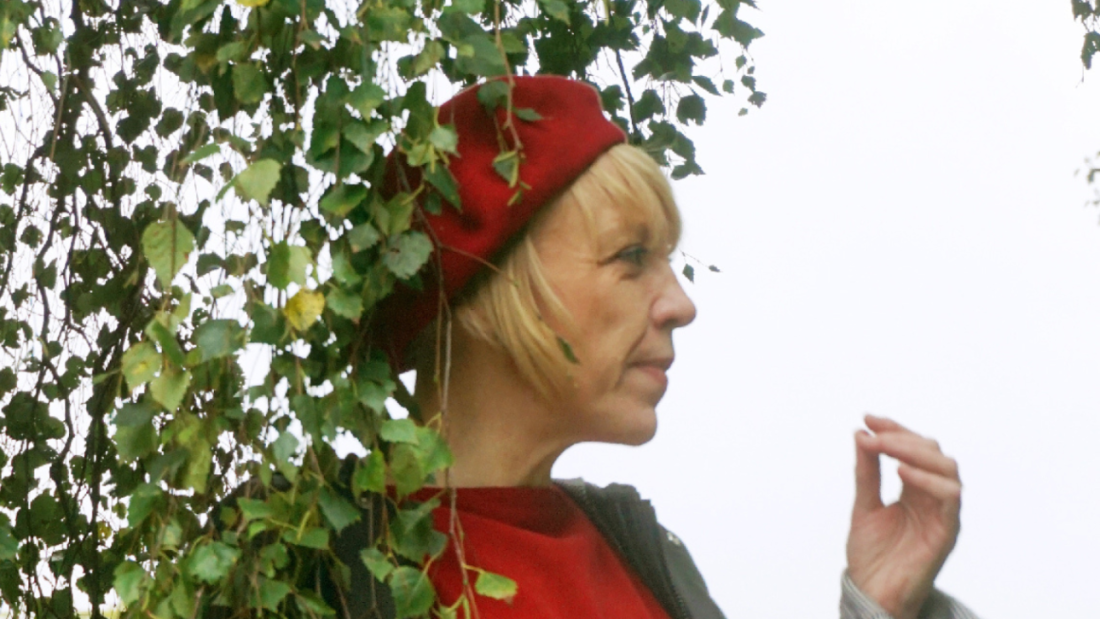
<point>191,246</point>
<point>1088,13</point>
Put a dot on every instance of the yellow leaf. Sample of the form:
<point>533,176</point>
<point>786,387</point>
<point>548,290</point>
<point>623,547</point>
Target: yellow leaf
<point>304,308</point>
<point>253,3</point>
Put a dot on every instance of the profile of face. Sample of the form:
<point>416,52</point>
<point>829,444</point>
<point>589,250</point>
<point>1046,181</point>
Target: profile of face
<point>609,267</point>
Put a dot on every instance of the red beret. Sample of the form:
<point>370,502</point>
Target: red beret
<point>569,132</point>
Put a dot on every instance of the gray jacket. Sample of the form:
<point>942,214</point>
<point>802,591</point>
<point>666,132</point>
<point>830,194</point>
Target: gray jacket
<point>630,525</point>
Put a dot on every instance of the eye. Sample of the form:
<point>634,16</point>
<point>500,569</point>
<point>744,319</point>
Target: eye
<point>635,255</point>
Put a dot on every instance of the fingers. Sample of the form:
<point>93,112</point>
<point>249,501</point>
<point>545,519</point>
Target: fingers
<point>868,475</point>
<point>939,487</point>
<point>883,424</point>
<point>914,450</point>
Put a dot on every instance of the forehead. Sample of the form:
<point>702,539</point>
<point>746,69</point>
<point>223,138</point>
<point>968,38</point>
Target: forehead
<point>640,216</point>
<point>623,194</point>
<point>606,224</point>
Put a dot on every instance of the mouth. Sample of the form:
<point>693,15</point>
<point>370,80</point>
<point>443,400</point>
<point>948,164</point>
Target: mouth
<point>656,368</point>
<point>659,363</point>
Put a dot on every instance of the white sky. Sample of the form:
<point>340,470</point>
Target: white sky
<point>900,231</point>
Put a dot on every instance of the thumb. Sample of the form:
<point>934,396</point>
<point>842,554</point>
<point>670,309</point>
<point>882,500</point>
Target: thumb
<point>868,475</point>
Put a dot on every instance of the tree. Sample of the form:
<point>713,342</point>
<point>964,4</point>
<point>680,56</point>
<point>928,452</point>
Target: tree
<point>188,194</point>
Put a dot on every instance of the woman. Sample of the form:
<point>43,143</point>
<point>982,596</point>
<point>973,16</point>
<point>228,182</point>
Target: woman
<point>566,338</point>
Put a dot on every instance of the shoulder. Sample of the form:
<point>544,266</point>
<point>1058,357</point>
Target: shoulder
<point>656,554</point>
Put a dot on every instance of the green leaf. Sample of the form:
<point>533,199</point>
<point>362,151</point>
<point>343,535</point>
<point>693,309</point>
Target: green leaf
<point>377,563</point>
<point>408,474</point>
<point>478,55</point>
<point>649,105</point>
<point>218,338</point>
<point>143,501</point>
<point>284,447</point>
<point>495,586</point>
<point>373,394</point>
<point>684,9</point>
<point>399,431</point>
<point>433,450</point>
<point>557,9</point>
<point>691,108</point>
<point>252,509</point>
<point>706,84</point>
<point>210,562</point>
<point>162,330</point>
<point>506,165</point>
<point>342,270</point>
<point>312,604</point>
<point>567,350</point>
<point>493,94</point>
<point>133,442</point>
<point>527,114</point>
<point>167,245</point>
<point>258,180</point>
<point>427,59</point>
<point>49,80</point>
<point>339,201</point>
<point>8,381</point>
<point>365,135</point>
<point>444,138</point>
<point>221,291</point>
<point>132,414</point>
<point>169,388</point>
<point>408,254</point>
<point>337,510</point>
<point>268,324</point>
<point>366,98</point>
<point>316,538</point>
<point>729,26</point>
<point>312,38</point>
<point>344,303</point>
<point>202,153</point>
<point>440,177</point>
<point>287,264</point>
<point>466,6</point>
<point>413,593</point>
<point>140,364</point>
<point>272,592</point>
<point>9,546</point>
<point>130,581</point>
<point>363,236</point>
<point>370,476</point>
<point>236,51</point>
<point>249,84</point>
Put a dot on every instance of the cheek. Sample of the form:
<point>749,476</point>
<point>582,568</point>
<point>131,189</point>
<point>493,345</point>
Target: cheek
<point>609,329</point>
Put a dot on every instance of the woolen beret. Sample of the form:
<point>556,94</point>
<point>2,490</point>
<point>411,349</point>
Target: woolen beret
<point>567,133</point>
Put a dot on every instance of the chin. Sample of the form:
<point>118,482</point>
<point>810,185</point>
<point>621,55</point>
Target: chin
<point>639,428</point>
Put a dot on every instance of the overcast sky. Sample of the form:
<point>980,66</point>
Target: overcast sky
<point>899,231</point>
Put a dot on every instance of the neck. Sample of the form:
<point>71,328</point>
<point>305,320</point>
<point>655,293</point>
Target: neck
<point>500,430</point>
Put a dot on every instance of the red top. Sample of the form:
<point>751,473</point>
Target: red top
<point>540,538</point>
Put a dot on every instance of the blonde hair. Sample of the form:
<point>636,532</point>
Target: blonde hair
<point>506,307</point>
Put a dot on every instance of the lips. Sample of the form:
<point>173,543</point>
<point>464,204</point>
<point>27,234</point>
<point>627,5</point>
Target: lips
<point>656,369</point>
<point>660,363</point>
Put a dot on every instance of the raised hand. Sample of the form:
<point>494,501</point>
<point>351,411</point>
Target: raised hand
<point>895,551</point>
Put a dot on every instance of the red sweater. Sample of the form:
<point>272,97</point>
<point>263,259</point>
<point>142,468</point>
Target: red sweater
<point>540,538</point>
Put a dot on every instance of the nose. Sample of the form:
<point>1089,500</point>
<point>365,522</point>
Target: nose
<point>672,308</point>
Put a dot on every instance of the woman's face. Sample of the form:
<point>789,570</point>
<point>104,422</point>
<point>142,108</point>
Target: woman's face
<point>613,277</point>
